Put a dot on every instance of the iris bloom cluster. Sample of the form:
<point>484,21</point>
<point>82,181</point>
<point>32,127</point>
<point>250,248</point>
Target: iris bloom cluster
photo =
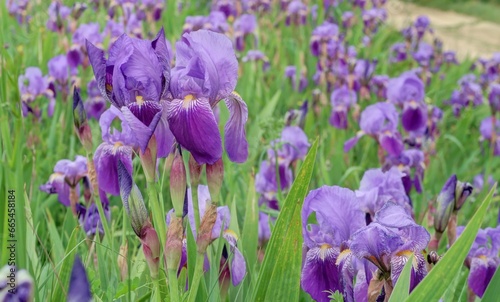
<point>357,243</point>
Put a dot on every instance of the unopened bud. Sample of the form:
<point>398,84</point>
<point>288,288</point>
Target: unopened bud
<point>122,261</point>
<point>173,247</point>
<point>207,224</point>
<point>215,176</point>
<point>132,200</point>
<point>151,248</point>
<point>148,160</point>
<point>433,257</point>
<point>194,171</point>
<point>463,190</point>
<point>78,9</point>
<point>445,203</point>
<point>178,183</point>
<point>80,121</point>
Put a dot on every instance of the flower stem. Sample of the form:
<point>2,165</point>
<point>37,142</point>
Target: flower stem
<point>173,285</point>
<point>157,291</point>
<point>198,273</point>
<point>157,209</point>
<point>196,209</point>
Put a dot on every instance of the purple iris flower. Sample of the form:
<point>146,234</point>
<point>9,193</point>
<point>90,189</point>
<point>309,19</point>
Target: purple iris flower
<point>407,91</point>
<point>60,70</point>
<point>79,286</point>
<point>321,35</point>
<point>202,77</point>
<point>483,258</point>
<point>398,52</point>
<point>380,121</point>
<point>337,217</point>
<point>363,72</point>
<point>409,162</point>
<point>18,9</point>
<point>494,97</point>
<point>378,188</point>
<point>243,26</point>
<point>424,54</point>
<point>266,180</point>
<point>24,285</point>
<point>491,133</point>
<point>257,55</point>
<point>66,174</point>
<point>478,182</point>
<point>486,128</point>
<point>116,146</point>
<point>58,15</point>
<point>342,100</point>
<point>32,85</point>
<point>134,79</point>
<point>215,21</point>
<point>95,104</point>
<point>89,218</point>
<point>378,85</point>
<point>227,7</point>
<point>114,29</point>
<point>450,57</point>
<point>422,24</point>
<point>389,241</point>
<point>291,73</point>
<point>291,146</point>
<point>372,18</point>
<point>77,53</point>
<point>296,13</point>
<point>347,19</point>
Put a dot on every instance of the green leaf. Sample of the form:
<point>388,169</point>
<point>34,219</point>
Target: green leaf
<point>279,277</point>
<point>402,289</point>
<point>62,284</point>
<point>439,278</point>
<point>493,290</point>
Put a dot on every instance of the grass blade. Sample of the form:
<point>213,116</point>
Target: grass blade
<point>279,277</point>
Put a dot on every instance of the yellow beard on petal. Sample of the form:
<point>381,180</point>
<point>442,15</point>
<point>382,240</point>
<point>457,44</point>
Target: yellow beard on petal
<point>323,249</point>
<point>187,99</point>
<point>231,233</point>
<point>139,100</point>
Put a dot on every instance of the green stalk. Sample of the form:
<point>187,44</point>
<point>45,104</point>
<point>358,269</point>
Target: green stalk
<point>198,273</point>
<point>196,209</point>
<point>157,292</point>
<point>158,218</point>
<point>173,285</point>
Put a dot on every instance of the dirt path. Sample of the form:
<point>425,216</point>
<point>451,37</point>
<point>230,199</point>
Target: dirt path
<point>466,35</point>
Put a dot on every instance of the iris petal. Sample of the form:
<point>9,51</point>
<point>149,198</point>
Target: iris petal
<point>235,141</point>
<point>194,126</point>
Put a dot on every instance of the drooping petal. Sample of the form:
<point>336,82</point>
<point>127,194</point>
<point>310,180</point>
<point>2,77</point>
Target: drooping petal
<point>392,143</point>
<point>235,141</point>
<point>414,117</point>
<point>350,143</point>
<point>106,163</point>
<point>320,273</point>
<point>481,272</point>
<point>238,267</point>
<point>141,131</point>
<point>164,137</point>
<point>193,124</point>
